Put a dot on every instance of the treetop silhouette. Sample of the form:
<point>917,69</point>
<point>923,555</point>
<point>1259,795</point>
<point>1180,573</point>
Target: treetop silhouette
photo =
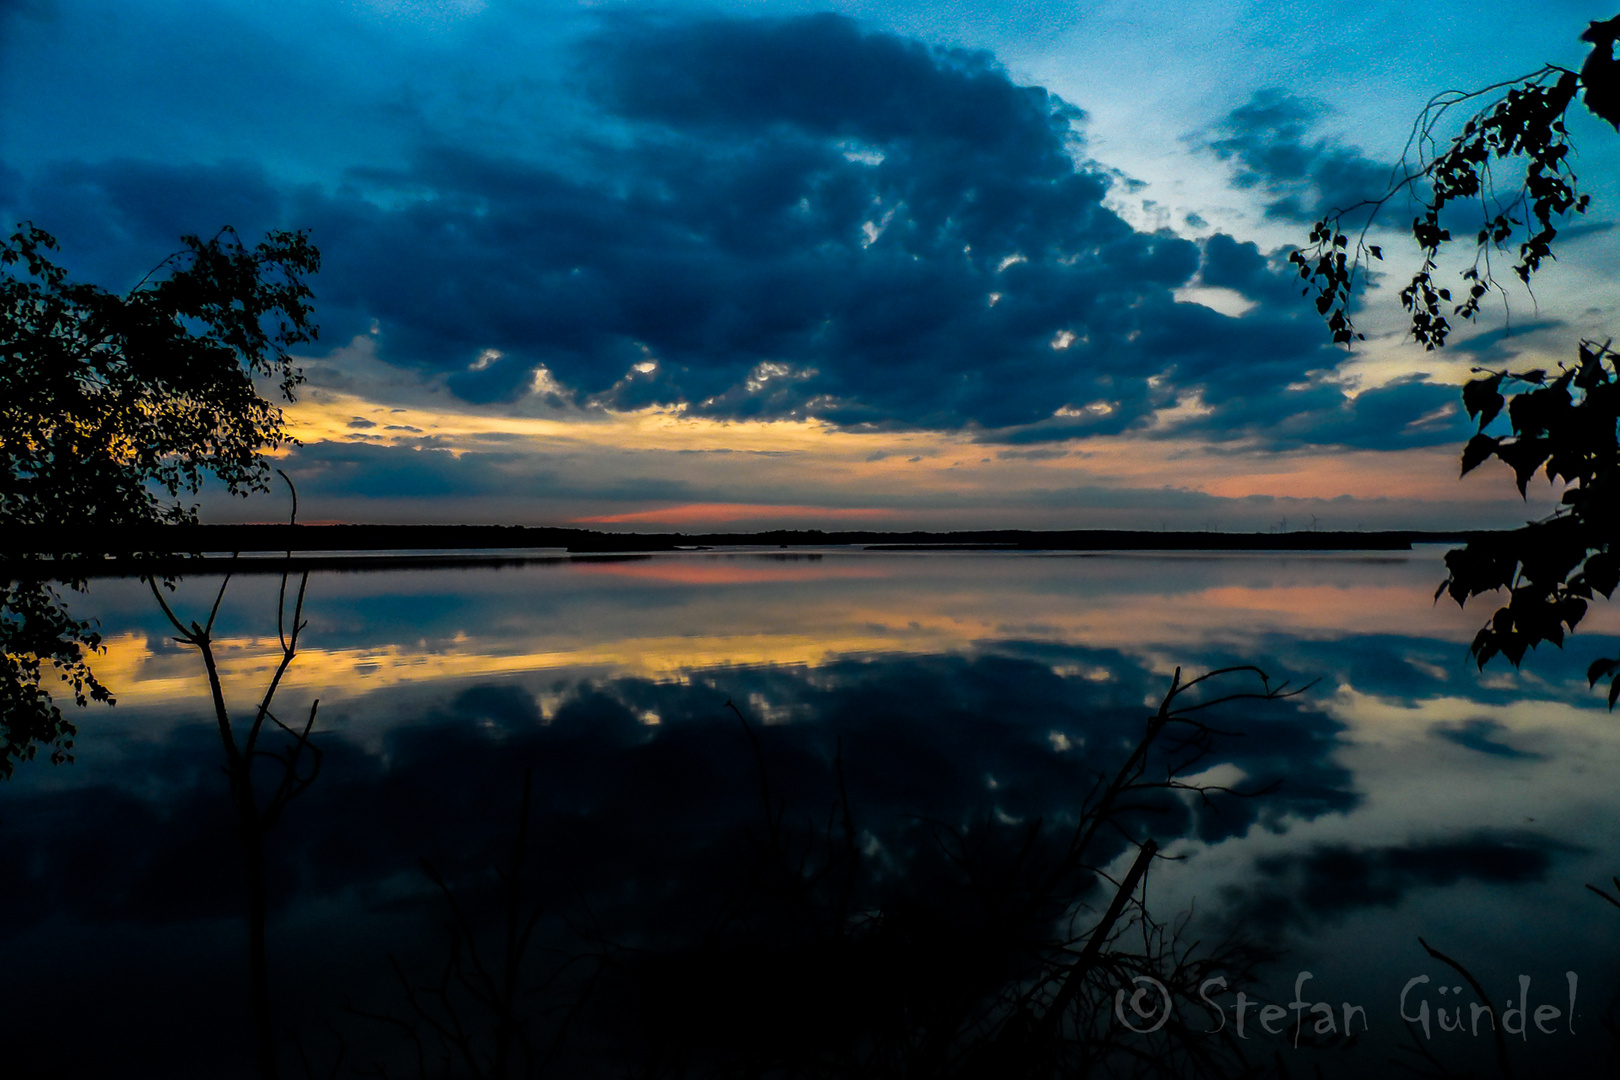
<point>116,406</point>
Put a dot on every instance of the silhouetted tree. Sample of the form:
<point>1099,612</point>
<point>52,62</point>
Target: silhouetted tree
<point>1561,423</point>
<point>114,406</point>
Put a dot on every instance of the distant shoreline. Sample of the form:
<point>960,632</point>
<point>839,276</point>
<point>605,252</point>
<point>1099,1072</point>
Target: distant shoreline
<point>136,550</point>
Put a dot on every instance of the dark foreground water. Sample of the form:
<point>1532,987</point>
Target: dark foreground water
<point>867,873</point>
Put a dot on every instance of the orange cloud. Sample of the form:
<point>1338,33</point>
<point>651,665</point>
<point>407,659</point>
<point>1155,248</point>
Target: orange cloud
<point>700,513</point>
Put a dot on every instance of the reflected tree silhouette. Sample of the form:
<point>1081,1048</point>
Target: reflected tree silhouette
<point>980,949</point>
<point>471,1020</point>
<point>1431,1066</point>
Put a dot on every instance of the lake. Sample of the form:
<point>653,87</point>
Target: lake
<point>862,854</point>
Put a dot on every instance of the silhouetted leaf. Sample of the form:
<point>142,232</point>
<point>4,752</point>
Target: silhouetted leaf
<point>1483,398</point>
<point>1602,572</point>
<point>1525,456</point>
<point>1599,668</point>
<point>1478,449</point>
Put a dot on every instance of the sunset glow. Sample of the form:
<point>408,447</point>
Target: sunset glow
<point>1115,341</point>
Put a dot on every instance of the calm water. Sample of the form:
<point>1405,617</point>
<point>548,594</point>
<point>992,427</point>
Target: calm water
<point>962,697</point>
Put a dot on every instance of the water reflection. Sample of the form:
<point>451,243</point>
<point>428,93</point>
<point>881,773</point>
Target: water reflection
<point>979,693</point>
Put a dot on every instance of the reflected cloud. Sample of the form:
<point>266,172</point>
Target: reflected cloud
<point>656,617</point>
<point>975,692</point>
<point>1482,735</point>
<point>1330,880</point>
<point>638,776</point>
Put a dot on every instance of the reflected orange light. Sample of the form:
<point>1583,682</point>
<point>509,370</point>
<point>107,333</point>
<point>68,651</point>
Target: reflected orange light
<point>1320,605</point>
<point>721,574</point>
<point>859,604</point>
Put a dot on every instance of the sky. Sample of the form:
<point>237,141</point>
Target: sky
<point>777,264</point>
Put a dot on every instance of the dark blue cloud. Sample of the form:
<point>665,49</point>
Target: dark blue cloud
<point>118,219</point>
<point>10,186</point>
<point>1401,414</point>
<point>1268,142</point>
<point>1331,881</point>
<point>782,218</point>
<point>1483,735</point>
<point>359,469</point>
<point>807,219</point>
<point>372,471</point>
<point>1241,265</point>
<point>821,74</point>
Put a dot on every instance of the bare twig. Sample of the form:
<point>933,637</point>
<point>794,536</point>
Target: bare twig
<point>1484,999</point>
<point>254,818</point>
